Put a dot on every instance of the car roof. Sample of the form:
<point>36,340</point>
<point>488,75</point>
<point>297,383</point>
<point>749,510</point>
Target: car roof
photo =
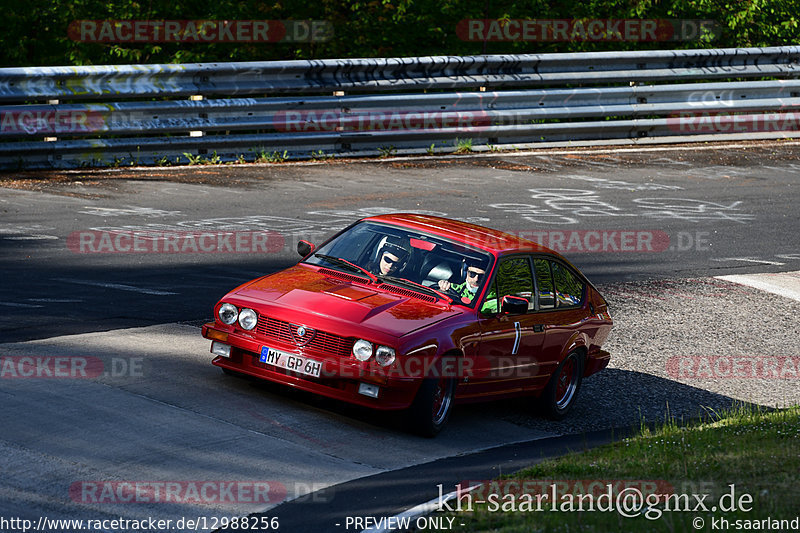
<point>491,240</point>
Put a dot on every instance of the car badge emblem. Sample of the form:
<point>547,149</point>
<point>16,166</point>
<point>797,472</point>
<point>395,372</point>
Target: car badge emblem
<point>301,334</point>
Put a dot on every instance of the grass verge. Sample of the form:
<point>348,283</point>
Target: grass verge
<point>739,470</point>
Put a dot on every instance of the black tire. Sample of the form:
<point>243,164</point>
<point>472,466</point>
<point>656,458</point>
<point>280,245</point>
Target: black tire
<point>431,409</point>
<point>559,395</point>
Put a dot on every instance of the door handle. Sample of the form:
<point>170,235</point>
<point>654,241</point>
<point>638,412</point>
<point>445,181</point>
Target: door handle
<point>538,328</point>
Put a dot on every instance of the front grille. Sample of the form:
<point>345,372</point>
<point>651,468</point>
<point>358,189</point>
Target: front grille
<point>323,343</point>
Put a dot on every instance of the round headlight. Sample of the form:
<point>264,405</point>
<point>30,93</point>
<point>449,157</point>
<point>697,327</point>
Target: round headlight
<point>384,355</point>
<point>362,350</point>
<point>228,313</point>
<point>247,318</point>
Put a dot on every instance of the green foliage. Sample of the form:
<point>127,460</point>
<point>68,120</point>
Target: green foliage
<point>320,155</point>
<point>193,159</point>
<point>165,161</point>
<point>200,159</point>
<point>263,156</point>
<point>386,151</point>
<point>35,32</point>
<point>463,146</point>
<point>753,448</point>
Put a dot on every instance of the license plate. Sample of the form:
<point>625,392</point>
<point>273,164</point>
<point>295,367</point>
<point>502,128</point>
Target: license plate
<point>287,361</point>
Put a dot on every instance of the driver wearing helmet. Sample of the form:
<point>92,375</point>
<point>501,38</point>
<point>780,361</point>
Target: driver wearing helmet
<point>469,288</point>
<point>391,258</point>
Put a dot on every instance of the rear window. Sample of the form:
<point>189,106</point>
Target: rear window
<point>569,287</point>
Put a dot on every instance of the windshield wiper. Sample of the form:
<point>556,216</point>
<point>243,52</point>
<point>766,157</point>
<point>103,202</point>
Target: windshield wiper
<point>416,286</point>
<point>348,265</point>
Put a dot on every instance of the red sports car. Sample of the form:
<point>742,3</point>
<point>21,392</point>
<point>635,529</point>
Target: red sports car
<point>414,312</point>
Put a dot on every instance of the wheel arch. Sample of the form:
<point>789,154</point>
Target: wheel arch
<point>578,343</point>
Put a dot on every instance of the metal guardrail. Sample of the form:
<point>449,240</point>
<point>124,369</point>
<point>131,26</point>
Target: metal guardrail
<point>544,98</point>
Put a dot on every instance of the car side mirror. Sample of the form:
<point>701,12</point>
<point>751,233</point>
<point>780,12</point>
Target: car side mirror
<point>514,305</point>
<point>304,248</point>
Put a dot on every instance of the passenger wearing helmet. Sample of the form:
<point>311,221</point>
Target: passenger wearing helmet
<point>392,257</point>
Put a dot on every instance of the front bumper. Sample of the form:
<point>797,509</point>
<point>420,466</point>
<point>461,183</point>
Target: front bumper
<point>339,378</point>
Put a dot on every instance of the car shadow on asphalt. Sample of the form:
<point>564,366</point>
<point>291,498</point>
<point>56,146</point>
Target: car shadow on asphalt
<point>614,398</point>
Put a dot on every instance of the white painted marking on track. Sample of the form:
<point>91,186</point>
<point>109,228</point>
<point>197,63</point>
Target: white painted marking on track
<point>29,237</point>
<point>118,286</point>
<point>786,284</point>
<point>749,260</point>
<point>132,210</point>
<point>240,279</point>
<point>417,511</point>
<point>14,304</point>
<point>55,300</point>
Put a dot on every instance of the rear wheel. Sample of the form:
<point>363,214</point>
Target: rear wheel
<point>431,408</point>
<point>561,391</point>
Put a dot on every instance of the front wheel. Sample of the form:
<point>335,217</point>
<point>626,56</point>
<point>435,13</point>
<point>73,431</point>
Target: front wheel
<point>432,405</point>
<point>561,391</point>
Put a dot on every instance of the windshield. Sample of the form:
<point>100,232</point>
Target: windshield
<point>393,255</point>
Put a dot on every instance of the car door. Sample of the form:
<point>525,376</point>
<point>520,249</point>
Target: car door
<point>507,359</point>
<point>560,295</point>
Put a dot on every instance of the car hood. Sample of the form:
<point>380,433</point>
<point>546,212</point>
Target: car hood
<point>302,290</point>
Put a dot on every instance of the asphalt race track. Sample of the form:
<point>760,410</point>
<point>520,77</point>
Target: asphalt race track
<point>696,248</point>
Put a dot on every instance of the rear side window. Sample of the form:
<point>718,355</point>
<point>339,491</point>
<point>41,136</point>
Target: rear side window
<point>569,287</point>
<point>544,282</point>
